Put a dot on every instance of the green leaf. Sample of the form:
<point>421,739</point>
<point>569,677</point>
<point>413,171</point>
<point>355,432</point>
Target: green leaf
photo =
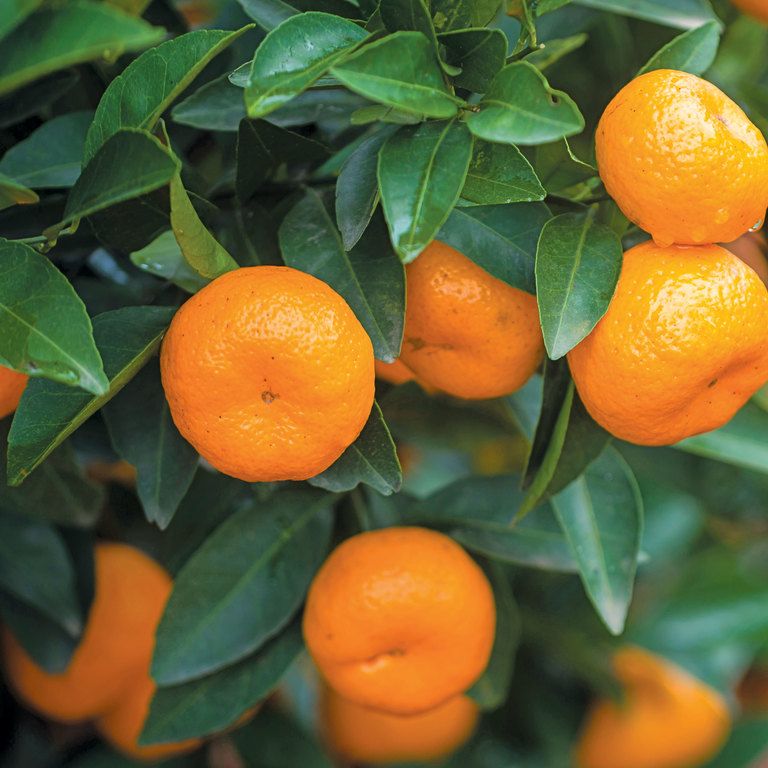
<point>402,71</point>
<point>683,14</point>
<point>44,328</point>
<point>480,53</point>
<point>498,174</point>
<point>477,513</point>
<point>14,12</point>
<point>268,14</point>
<point>741,442</point>
<point>49,413</point>
<point>401,15</point>
<point>217,106</point>
<point>746,745</point>
<point>461,14</point>
<point>693,51</point>
<point>369,277</point>
<point>130,163</point>
<point>378,113</point>
<point>601,514</point>
<point>51,156</point>
<point>552,51</point>
<point>33,99</point>
<point>500,239</point>
<point>243,585</point>
<point>211,704</point>
<point>35,568</point>
<point>521,108</point>
<point>163,258</point>
<point>371,459</point>
<point>138,96</point>
<point>296,54</point>
<point>57,37</point>
<point>200,249</point>
<point>143,433</point>
<point>562,173</point>
<point>262,148</point>
<point>491,690</point>
<point>577,267</point>
<point>421,173</point>
<point>357,189</point>
<point>13,193</point>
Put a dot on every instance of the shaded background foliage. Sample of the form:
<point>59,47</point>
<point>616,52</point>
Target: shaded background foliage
<point>129,180</point>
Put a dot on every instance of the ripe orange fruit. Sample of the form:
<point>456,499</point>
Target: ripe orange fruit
<point>467,333</point>
<point>121,726</point>
<point>363,735</point>
<point>268,374</point>
<point>11,389</point>
<point>119,637</point>
<point>682,160</point>
<point>756,8</point>
<point>395,373</point>
<point>400,619</point>
<point>681,348</point>
<point>668,719</point>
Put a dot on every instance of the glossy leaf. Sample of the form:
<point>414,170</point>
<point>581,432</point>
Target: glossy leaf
<point>500,239</point>
<point>369,277</point>
<point>461,14</point>
<point>480,53</point>
<point>552,51</point>
<point>211,704</point>
<point>562,173</point>
<point>50,156</point>
<point>371,459</point>
<point>401,15</point>
<point>13,193</point>
<point>498,174</point>
<point>268,14</point>
<point>421,174</point>
<point>693,51</point>
<point>163,258</point>
<point>401,71</point>
<point>44,328</point>
<point>601,515</point>
<point>58,37</point>
<point>578,262</point>
<point>143,434</point>
<point>683,14</point>
<point>217,106</point>
<point>521,108</point>
<point>243,585</point>
<point>294,55</point>
<point>49,412</point>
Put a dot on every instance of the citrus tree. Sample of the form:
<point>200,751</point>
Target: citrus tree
<point>375,387</point>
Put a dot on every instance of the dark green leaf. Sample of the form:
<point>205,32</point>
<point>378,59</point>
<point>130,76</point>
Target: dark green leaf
<point>480,53</point>
<point>746,745</point>
<point>211,704</point>
<point>13,193</point>
<point>552,51</point>
<point>14,12</point>
<point>499,173</point>
<point>400,15</point>
<point>294,55</point>
<point>49,413</point>
<point>601,514</point>
<point>149,85</point>
<point>499,238</point>
<point>44,328</point>
<point>58,37</point>
<point>163,258</point>
<point>31,100</point>
<point>143,433</point>
<point>52,155</point>
<point>461,14</point>
<point>402,71</point>
<point>577,267</point>
<point>369,277</point>
<point>371,459</point>
<point>683,14</point>
<point>562,173</point>
<point>268,14</point>
<point>217,106</point>
<point>522,108</point>
<point>421,173</point>
<point>693,51</point>
<point>379,113</point>
<point>243,585</point>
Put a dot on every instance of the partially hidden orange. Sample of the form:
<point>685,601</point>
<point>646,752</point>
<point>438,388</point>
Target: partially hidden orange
<point>268,374</point>
<point>400,619</point>
<point>758,9</point>
<point>12,386</point>
<point>668,719</point>
<point>466,332</point>
<point>682,160</point>
<point>396,372</point>
<point>681,348</point>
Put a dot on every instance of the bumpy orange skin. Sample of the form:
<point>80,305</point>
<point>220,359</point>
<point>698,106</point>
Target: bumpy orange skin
<point>400,619</point>
<point>395,373</point>
<point>682,160</point>
<point>681,348</point>
<point>122,725</point>
<point>755,8</point>
<point>11,389</point>
<point>669,719</point>
<point>467,333</point>
<point>364,735</point>
<point>268,374</point>
<point>131,592</point>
